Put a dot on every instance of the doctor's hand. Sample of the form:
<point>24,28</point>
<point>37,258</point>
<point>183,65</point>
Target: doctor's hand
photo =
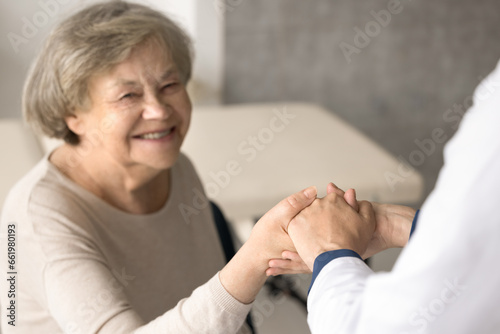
<point>290,261</point>
<point>329,224</point>
<point>392,222</point>
<point>393,225</point>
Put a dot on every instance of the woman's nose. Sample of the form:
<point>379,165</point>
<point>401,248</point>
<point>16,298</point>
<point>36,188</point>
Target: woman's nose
<point>156,109</point>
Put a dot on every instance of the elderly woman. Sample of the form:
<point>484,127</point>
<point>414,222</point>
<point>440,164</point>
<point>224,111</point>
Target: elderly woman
<point>103,246</point>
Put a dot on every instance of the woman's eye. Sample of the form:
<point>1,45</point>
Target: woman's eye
<point>170,85</point>
<point>127,96</point>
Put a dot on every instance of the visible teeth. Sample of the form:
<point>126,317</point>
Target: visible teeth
<point>156,135</point>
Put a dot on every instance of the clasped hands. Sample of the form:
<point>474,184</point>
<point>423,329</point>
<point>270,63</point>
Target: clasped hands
<point>301,227</point>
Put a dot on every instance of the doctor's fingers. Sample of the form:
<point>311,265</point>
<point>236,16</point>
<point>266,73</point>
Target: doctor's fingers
<point>349,195</point>
<point>368,213</point>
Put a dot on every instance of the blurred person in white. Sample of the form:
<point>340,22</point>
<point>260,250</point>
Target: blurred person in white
<point>103,245</point>
<point>447,278</point>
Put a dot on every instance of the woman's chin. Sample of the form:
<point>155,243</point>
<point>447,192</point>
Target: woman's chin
<point>161,162</point>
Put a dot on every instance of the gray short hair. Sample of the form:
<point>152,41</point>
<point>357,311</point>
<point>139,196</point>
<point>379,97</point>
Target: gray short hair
<point>91,41</point>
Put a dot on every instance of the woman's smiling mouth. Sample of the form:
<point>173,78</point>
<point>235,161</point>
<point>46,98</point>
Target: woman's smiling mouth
<point>156,135</point>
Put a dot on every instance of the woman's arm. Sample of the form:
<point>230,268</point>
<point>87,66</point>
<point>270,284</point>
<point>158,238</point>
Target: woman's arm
<point>85,295</point>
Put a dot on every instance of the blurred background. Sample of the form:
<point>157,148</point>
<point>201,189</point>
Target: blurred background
<point>429,57</point>
<point>394,70</point>
<point>395,84</point>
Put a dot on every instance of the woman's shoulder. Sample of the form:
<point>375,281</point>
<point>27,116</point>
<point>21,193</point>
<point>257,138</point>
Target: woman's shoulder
<point>22,190</point>
<point>41,192</point>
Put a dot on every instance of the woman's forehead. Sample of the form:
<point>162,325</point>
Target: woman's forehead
<point>143,65</point>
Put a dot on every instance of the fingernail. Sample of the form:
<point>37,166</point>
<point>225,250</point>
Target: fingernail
<point>311,192</point>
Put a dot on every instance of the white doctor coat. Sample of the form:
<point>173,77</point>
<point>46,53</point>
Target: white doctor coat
<point>447,279</point>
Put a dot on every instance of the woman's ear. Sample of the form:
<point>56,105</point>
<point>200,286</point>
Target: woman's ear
<point>75,123</point>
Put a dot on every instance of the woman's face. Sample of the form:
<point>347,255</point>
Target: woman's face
<point>140,112</point>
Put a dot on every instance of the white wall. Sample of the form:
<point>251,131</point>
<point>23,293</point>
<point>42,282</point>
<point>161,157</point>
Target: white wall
<point>204,21</point>
<point>209,44</point>
<point>24,25</point>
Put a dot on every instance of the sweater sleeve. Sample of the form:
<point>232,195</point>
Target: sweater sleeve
<point>86,297</point>
<point>210,309</point>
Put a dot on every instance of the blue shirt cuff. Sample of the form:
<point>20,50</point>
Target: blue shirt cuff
<point>414,223</point>
<point>323,259</point>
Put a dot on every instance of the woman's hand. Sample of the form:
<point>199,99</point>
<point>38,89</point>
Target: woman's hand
<point>269,235</point>
<point>245,274</point>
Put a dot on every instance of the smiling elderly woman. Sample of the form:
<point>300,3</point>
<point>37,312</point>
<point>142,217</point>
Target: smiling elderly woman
<point>103,247</point>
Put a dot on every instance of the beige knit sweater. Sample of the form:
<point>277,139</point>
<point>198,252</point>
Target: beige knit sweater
<point>83,266</point>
